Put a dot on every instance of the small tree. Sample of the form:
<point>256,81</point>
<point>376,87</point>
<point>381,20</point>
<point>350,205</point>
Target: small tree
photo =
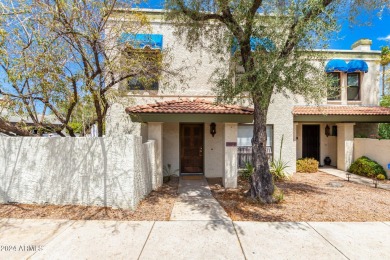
<point>385,60</point>
<point>275,42</point>
<point>68,59</point>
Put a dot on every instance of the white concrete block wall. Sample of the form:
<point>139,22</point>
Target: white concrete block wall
<point>149,157</point>
<point>214,151</point>
<point>81,171</point>
<point>155,132</point>
<point>171,149</point>
<point>230,173</point>
<point>377,150</point>
<point>345,145</point>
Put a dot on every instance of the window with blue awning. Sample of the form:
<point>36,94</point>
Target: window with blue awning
<point>140,41</point>
<point>357,66</point>
<point>336,65</point>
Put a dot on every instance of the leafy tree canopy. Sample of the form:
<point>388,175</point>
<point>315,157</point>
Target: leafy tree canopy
<point>63,58</point>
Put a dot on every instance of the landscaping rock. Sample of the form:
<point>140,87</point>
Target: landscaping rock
<point>335,184</point>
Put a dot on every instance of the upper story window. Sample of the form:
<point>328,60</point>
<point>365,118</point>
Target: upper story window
<point>353,83</point>
<point>355,70</point>
<point>143,57</point>
<point>335,69</point>
<point>338,70</point>
<point>147,66</point>
<point>334,89</point>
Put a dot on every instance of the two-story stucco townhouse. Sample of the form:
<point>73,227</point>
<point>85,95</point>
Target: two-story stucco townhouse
<point>196,136</point>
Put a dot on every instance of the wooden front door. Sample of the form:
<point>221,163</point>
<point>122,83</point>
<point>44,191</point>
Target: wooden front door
<point>311,141</point>
<point>191,148</point>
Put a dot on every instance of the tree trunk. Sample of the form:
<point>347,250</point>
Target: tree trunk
<point>100,125</point>
<point>10,129</point>
<point>99,114</point>
<point>262,186</point>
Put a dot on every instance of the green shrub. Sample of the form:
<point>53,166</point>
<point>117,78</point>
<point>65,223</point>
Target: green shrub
<point>308,165</point>
<point>364,166</point>
<point>384,130</point>
<point>381,177</point>
<point>278,168</point>
<point>248,171</point>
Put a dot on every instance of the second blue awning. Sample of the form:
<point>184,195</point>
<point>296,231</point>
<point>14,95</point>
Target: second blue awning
<point>357,66</point>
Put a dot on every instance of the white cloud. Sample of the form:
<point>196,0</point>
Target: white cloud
<point>387,38</point>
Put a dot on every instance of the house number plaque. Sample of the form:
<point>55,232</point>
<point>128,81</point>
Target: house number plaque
<point>231,144</point>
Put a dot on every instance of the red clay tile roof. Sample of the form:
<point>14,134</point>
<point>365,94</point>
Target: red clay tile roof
<point>186,106</point>
<point>342,110</point>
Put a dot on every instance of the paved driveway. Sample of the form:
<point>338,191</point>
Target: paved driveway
<point>206,239</point>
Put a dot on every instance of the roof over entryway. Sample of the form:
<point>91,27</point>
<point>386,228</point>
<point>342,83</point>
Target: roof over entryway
<point>369,114</point>
<point>185,110</point>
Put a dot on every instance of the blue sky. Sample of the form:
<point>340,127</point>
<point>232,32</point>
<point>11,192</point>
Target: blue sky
<point>377,32</point>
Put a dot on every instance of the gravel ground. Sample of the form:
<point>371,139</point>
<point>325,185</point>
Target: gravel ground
<point>157,206</point>
<point>309,197</point>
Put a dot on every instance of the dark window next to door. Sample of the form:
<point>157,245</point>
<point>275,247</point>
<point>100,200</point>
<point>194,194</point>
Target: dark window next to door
<point>244,144</point>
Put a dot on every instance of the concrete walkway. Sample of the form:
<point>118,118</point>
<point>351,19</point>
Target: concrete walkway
<point>354,178</point>
<point>196,202</point>
<point>68,239</point>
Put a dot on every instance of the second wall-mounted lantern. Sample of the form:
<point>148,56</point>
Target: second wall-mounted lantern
<point>213,129</point>
<point>327,131</point>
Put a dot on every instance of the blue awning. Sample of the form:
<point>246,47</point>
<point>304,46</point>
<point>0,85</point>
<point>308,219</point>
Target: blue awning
<point>357,66</point>
<point>263,43</point>
<point>140,41</point>
<point>336,65</point>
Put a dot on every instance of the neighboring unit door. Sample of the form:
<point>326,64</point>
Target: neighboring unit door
<point>311,141</point>
<point>191,148</point>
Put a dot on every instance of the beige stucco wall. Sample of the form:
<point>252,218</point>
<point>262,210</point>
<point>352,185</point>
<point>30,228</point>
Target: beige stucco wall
<point>213,151</point>
<point>281,117</point>
<point>377,150</point>
<point>155,133</point>
<point>230,171</point>
<point>345,145</point>
<point>370,84</point>
<point>171,151</point>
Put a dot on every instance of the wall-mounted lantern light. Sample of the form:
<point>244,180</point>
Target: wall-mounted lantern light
<point>213,129</point>
<point>327,131</point>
